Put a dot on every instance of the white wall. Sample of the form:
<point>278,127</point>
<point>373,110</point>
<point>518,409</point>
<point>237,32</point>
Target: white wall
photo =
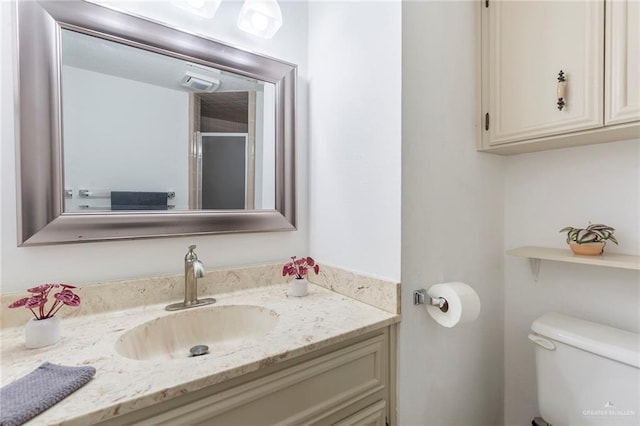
<point>452,222</point>
<point>266,159</point>
<point>123,152</point>
<point>4,86</point>
<point>545,192</point>
<point>354,162</point>
<point>91,262</point>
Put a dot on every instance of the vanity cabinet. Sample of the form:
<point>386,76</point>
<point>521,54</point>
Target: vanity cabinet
<point>557,74</point>
<point>347,384</point>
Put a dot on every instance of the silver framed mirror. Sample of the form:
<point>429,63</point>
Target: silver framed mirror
<point>44,167</point>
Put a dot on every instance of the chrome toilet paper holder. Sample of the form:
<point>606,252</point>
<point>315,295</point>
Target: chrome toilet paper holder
<point>421,297</point>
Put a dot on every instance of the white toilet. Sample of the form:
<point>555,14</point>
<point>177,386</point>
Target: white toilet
<point>587,373</point>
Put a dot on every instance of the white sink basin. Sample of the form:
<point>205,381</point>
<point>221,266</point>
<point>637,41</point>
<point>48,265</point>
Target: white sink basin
<point>224,329</point>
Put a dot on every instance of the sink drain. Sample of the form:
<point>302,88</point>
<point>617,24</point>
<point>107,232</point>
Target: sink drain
<point>199,350</point>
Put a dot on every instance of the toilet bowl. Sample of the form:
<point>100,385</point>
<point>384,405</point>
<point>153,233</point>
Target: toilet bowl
<point>587,373</point>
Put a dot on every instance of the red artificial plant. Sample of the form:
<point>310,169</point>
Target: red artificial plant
<point>298,268</point>
<point>36,303</point>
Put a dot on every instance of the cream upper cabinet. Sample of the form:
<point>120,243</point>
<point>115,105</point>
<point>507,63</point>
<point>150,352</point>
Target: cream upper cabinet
<point>544,80</point>
<point>622,62</point>
<point>531,43</point>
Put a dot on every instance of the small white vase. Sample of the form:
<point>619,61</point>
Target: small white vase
<point>44,332</point>
<point>299,287</point>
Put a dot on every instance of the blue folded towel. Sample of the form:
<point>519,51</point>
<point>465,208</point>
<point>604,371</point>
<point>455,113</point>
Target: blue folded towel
<point>42,388</point>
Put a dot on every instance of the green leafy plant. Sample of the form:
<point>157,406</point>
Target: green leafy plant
<point>591,234</point>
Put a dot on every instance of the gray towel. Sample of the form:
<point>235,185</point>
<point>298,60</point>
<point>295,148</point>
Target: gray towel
<point>42,388</point>
<point>136,200</point>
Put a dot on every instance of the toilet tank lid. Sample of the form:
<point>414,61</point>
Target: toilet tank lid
<point>609,342</point>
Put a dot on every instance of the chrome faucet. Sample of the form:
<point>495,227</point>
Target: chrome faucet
<point>193,269</point>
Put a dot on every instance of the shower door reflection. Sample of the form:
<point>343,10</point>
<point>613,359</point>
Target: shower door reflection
<point>226,170</point>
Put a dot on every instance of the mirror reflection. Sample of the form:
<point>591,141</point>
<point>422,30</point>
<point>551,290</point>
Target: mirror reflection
<point>145,131</point>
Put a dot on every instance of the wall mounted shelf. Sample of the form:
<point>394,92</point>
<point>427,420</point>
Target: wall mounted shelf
<point>610,260</point>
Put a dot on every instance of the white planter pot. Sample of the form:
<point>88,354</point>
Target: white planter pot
<point>299,287</point>
<point>40,333</point>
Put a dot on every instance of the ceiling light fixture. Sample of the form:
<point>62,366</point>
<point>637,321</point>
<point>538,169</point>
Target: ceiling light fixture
<point>262,18</point>
<point>204,8</point>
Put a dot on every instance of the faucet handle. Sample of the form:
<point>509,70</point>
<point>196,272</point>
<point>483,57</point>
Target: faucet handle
<point>191,255</point>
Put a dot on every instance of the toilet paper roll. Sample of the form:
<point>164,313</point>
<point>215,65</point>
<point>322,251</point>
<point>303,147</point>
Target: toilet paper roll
<point>463,303</point>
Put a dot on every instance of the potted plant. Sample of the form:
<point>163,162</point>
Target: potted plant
<point>589,241</point>
<point>299,268</point>
<point>44,328</point>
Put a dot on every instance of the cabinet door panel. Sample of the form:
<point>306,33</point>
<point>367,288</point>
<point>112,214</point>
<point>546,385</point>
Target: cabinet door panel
<point>622,62</point>
<point>529,43</point>
<point>373,415</point>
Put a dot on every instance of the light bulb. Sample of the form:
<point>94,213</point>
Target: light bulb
<point>204,8</point>
<point>197,4</point>
<point>260,17</point>
<point>259,21</point>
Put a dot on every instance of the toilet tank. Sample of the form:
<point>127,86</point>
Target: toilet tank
<point>587,373</point>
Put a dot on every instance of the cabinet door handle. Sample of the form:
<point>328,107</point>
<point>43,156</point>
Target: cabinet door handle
<point>561,90</point>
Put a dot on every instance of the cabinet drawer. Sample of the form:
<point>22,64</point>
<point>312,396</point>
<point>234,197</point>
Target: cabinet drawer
<point>304,393</point>
<point>374,415</point>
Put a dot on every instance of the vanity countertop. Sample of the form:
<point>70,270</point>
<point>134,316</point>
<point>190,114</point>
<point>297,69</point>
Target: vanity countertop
<point>122,385</point>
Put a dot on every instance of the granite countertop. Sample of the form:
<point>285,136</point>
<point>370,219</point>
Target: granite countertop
<point>123,385</point>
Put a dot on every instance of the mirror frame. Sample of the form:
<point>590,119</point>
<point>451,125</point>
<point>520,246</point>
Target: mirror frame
<point>40,192</point>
